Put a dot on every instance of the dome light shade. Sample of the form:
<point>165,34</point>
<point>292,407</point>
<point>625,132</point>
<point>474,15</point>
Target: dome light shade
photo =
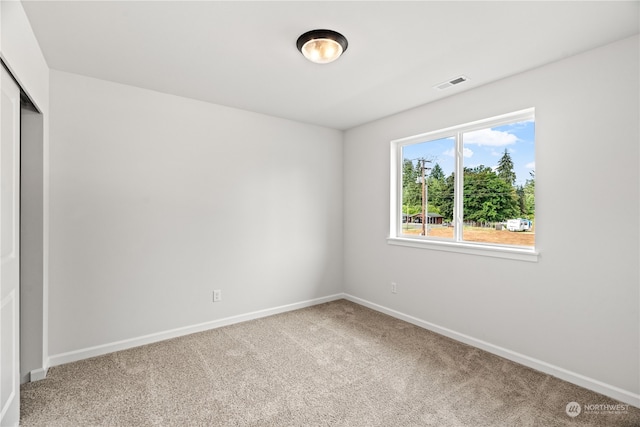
<point>322,46</point>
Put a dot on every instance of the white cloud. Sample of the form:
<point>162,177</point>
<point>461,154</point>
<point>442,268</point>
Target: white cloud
<point>521,124</point>
<point>466,152</point>
<point>490,138</point>
<point>530,165</point>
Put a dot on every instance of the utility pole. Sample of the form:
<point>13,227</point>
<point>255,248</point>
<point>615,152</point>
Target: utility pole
<point>425,192</point>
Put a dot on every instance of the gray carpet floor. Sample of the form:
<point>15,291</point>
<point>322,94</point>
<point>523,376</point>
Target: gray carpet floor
<point>335,364</point>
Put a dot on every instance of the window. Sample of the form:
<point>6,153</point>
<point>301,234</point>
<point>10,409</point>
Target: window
<point>469,188</point>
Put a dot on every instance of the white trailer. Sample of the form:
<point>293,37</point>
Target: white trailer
<point>518,224</point>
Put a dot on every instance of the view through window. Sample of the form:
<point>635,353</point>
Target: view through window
<point>493,203</point>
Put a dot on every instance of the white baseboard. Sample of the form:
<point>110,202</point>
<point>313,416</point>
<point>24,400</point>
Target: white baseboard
<point>99,350</point>
<point>40,373</point>
<point>564,374</point>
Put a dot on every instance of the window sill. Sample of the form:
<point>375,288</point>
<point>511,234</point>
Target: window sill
<point>468,248</point>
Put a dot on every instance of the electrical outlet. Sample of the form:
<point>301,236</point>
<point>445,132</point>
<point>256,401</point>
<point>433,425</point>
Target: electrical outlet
<point>217,295</point>
<point>394,288</point>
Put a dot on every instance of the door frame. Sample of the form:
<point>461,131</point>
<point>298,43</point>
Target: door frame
<point>33,298</point>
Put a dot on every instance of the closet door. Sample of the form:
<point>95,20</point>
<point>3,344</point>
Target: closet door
<point>9,250</point>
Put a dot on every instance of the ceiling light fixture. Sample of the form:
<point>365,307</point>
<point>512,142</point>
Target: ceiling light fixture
<point>322,46</point>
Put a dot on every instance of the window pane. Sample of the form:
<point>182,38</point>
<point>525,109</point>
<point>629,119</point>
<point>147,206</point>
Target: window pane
<point>436,159</point>
<point>499,181</point>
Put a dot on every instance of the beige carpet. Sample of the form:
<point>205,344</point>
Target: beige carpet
<point>336,364</point>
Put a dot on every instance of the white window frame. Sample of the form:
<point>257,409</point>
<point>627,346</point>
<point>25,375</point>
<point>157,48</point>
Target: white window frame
<point>456,244</point>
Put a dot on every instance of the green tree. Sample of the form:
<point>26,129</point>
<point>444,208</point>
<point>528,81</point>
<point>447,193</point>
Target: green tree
<point>505,169</point>
<point>411,210</point>
<point>437,173</point>
<point>411,188</point>
<point>522,205</point>
<point>444,200</point>
<point>487,197</point>
<point>436,186</point>
<point>529,191</point>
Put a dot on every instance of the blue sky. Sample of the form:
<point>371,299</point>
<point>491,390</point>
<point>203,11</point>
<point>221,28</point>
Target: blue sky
<point>484,147</point>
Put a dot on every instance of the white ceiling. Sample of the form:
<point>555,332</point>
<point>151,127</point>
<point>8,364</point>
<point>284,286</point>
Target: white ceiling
<point>243,54</point>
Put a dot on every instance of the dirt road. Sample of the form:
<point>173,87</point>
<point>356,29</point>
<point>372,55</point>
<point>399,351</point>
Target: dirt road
<point>487,235</point>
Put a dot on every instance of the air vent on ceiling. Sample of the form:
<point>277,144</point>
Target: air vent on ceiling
<point>452,82</point>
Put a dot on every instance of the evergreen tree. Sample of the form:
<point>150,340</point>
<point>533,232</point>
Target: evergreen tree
<point>411,188</point>
<point>437,173</point>
<point>436,186</point>
<point>505,169</point>
<point>445,199</point>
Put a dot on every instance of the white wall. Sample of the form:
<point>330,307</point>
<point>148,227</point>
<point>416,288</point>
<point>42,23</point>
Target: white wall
<point>577,309</point>
<point>157,200</point>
